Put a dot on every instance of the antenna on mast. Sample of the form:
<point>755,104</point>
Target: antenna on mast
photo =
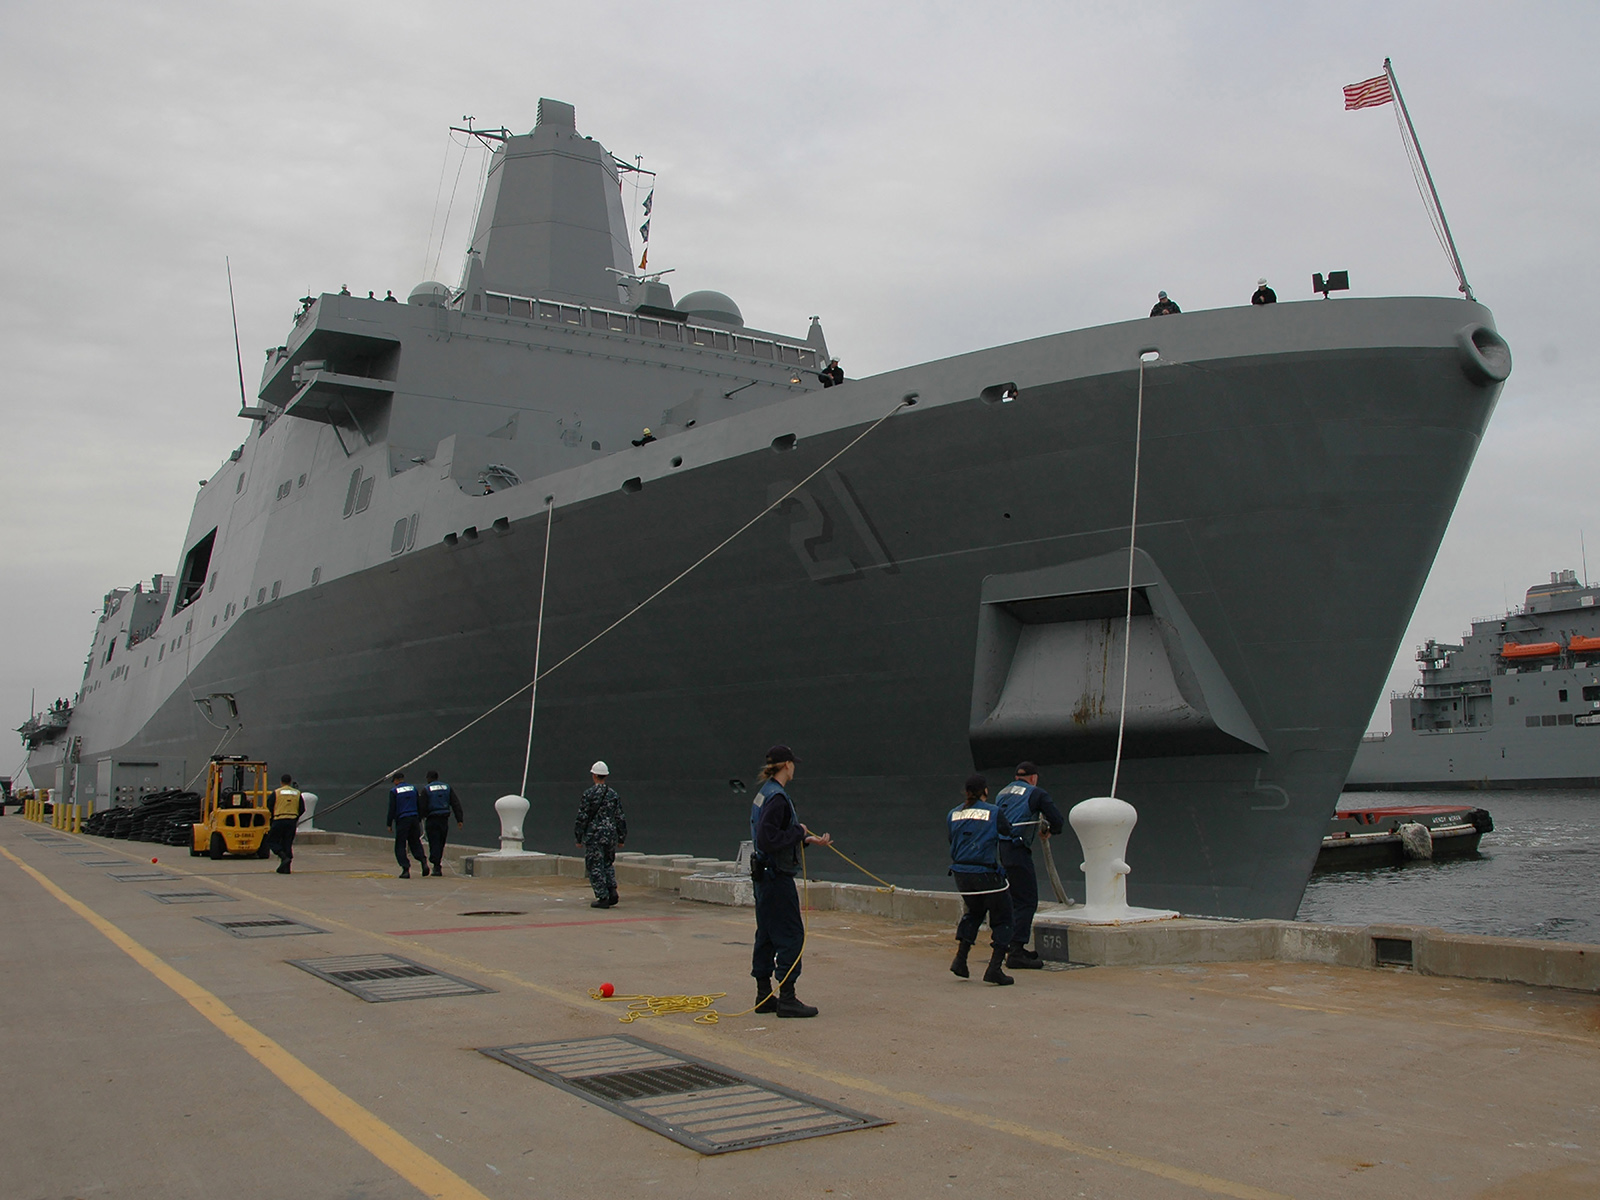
<point>1585,552</point>
<point>238,356</point>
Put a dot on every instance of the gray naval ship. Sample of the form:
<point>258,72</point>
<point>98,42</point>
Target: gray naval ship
<point>362,576</point>
<point>1515,704</point>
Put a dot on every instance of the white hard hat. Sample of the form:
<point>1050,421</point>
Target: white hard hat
<point>600,768</point>
<point>1262,281</point>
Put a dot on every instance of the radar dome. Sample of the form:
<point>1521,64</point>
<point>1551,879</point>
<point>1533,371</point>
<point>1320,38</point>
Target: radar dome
<point>711,306</point>
<point>429,294</point>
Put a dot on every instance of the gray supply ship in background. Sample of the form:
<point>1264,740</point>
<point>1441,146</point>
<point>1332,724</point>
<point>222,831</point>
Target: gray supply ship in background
<point>1516,704</point>
<point>361,577</point>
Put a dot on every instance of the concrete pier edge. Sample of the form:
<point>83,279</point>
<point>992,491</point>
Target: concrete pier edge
<point>1425,950</point>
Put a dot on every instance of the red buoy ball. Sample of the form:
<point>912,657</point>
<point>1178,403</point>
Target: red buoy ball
<point>153,860</point>
<point>607,990</point>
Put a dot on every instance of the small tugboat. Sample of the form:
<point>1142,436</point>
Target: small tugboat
<point>1388,836</point>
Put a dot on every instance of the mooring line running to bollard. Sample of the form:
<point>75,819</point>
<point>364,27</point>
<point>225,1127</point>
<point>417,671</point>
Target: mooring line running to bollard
<point>1127,629</point>
<point>906,402</point>
<point>538,637</point>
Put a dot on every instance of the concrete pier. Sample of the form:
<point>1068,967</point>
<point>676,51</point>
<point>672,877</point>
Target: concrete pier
<point>149,1053</point>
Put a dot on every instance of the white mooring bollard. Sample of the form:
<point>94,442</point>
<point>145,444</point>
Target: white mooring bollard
<point>512,810</point>
<point>308,823</point>
<point>1103,825</point>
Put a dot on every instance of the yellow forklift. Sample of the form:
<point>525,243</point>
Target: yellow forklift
<point>236,812</point>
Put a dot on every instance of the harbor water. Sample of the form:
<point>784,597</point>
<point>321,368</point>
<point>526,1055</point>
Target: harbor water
<point>1537,875</point>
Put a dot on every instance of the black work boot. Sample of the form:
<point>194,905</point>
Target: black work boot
<point>424,870</point>
<point>790,1005</point>
<point>283,867</point>
<point>765,1003</point>
<point>958,965</point>
<point>600,904</point>
<point>612,902</point>
<point>994,974</point>
<point>1020,958</point>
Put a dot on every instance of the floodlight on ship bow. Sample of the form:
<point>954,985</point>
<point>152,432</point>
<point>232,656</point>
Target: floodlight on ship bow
<point>1337,281</point>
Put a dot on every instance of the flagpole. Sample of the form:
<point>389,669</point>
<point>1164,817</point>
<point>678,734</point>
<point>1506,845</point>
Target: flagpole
<point>1455,258</point>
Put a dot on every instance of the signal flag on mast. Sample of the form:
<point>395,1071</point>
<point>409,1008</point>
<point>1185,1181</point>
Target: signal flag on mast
<point>1369,93</point>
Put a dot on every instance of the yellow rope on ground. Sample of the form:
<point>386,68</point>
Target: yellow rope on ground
<point>640,1007</point>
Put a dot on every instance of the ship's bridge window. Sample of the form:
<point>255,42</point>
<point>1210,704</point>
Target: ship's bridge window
<point>500,305</point>
<point>549,312</point>
<point>1562,695</point>
<point>1591,693</point>
<point>520,307</point>
<point>571,316</point>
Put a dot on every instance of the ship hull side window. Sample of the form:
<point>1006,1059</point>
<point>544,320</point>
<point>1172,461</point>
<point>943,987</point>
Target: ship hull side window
<point>196,566</point>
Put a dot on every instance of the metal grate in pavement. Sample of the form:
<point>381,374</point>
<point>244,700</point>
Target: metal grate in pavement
<point>261,925</point>
<point>200,897</point>
<point>139,876</point>
<point>701,1105</point>
<point>378,978</point>
<point>102,862</point>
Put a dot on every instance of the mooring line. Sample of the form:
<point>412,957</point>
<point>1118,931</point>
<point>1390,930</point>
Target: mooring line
<point>907,402</point>
<point>1127,628</point>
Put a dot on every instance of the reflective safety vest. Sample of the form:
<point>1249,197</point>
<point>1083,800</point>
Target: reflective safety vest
<point>789,859</point>
<point>1012,800</point>
<point>286,802</point>
<point>438,799</point>
<point>407,802</point>
<point>974,838</point>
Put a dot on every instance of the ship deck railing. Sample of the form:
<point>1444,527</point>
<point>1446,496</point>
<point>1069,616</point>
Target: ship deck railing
<point>549,312</point>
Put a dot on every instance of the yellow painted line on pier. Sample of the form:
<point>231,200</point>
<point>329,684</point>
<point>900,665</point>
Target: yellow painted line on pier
<point>424,1172</point>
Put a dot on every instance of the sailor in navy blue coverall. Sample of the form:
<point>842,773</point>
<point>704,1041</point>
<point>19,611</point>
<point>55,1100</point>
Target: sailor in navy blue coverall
<point>777,835</point>
<point>976,829</point>
<point>1031,812</point>
<point>405,818</point>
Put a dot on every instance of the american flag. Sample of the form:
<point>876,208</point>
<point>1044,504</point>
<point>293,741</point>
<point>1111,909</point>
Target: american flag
<point>1369,93</point>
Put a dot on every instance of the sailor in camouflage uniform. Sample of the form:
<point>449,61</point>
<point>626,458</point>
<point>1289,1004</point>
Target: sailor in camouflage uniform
<point>600,829</point>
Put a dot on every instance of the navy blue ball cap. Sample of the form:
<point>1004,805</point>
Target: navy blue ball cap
<point>976,784</point>
<point>780,754</point>
<point>1026,768</point>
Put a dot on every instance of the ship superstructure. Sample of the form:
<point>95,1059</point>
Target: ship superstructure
<point>942,585</point>
<point>1515,704</point>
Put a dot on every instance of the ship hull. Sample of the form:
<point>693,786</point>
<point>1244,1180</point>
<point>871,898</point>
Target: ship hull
<point>1291,505</point>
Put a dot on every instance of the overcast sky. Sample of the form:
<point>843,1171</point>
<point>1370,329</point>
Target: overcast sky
<point>930,178</point>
